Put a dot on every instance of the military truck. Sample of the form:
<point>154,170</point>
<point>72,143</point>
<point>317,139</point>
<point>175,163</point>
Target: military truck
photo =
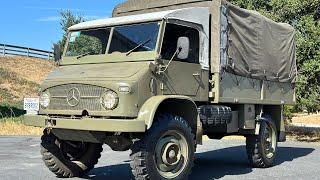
<point>158,76</point>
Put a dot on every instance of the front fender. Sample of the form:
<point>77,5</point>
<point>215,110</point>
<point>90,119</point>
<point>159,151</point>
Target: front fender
<point>150,107</point>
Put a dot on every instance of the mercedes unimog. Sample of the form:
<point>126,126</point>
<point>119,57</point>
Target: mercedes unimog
<point>158,76</point>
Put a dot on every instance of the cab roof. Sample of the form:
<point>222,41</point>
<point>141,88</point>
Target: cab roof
<point>115,21</point>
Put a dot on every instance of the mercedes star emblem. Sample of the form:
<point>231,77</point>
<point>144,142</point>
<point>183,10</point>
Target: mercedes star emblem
<point>73,97</point>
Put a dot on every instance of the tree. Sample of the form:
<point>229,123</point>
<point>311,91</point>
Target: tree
<point>68,19</point>
<point>304,16</point>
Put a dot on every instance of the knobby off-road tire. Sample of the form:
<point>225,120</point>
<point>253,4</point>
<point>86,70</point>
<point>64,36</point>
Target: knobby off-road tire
<point>262,148</point>
<point>165,152</point>
<point>66,160</point>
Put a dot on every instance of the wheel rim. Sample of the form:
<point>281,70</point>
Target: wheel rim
<point>269,142</point>
<point>171,154</point>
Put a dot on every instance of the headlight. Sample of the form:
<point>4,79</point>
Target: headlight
<point>109,100</point>
<point>44,99</point>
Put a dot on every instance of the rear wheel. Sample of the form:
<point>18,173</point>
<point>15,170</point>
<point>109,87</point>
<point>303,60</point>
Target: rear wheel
<point>69,159</point>
<point>262,148</point>
<point>165,152</point>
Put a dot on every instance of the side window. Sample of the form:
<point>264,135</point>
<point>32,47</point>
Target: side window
<point>171,36</point>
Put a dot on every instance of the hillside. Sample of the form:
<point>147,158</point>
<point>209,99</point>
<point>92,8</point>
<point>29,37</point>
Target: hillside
<point>20,77</point>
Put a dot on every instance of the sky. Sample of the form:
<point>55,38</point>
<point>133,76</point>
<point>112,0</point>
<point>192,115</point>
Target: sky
<point>35,23</point>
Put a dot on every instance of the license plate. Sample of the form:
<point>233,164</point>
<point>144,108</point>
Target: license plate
<point>31,105</point>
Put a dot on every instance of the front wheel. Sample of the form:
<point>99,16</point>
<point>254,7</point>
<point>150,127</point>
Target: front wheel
<point>262,148</point>
<point>165,152</point>
<point>69,159</point>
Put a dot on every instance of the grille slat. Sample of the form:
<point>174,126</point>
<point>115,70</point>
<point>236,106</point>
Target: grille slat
<point>89,97</point>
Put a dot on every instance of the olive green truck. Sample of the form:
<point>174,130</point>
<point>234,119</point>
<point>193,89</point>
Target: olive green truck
<point>158,76</point>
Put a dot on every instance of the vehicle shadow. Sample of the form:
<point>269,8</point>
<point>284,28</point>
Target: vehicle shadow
<point>208,165</point>
<point>233,161</point>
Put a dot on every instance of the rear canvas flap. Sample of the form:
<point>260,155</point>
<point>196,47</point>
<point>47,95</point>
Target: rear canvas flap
<point>259,47</point>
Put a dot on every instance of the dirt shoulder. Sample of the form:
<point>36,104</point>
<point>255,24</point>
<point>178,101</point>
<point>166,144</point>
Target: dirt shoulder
<point>17,129</point>
<point>307,119</point>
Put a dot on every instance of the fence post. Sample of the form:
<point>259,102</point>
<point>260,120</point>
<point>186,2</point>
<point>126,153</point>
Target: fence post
<point>4,50</point>
<point>28,52</point>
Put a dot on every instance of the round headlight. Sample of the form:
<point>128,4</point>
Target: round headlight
<point>44,99</point>
<point>109,100</point>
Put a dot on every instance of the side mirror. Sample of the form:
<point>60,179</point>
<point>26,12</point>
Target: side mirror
<point>57,52</point>
<point>183,47</point>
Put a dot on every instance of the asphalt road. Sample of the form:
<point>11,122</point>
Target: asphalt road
<point>20,159</point>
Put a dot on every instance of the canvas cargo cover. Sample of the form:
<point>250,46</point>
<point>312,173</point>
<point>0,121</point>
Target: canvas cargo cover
<point>259,47</point>
<point>255,46</point>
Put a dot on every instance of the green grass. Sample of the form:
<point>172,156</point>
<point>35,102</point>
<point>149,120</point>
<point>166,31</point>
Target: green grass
<point>11,111</point>
<point>11,121</point>
<point>17,120</point>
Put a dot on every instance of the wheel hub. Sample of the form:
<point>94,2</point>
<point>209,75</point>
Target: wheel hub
<point>269,142</point>
<point>171,154</point>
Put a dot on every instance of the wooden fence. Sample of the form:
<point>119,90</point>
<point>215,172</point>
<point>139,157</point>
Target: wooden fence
<point>12,50</point>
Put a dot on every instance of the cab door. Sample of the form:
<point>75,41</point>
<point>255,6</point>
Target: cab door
<point>183,76</point>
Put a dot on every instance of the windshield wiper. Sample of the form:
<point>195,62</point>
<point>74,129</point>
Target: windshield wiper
<point>138,46</point>
<point>83,55</point>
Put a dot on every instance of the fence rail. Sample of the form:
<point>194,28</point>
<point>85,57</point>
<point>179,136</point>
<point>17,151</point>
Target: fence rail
<point>11,50</point>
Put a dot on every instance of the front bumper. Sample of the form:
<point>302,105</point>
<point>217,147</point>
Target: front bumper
<point>86,124</point>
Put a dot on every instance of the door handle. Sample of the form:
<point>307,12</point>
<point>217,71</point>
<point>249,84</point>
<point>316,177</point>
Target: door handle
<point>196,74</point>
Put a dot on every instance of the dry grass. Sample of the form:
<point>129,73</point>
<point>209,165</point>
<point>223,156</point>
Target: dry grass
<point>14,88</point>
<point>31,69</point>
<point>307,119</point>
<point>303,137</point>
<point>11,128</point>
<point>20,77</point>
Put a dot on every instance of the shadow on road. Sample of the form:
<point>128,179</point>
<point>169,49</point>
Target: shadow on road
<point>208,165</point>
<point>233,161</point>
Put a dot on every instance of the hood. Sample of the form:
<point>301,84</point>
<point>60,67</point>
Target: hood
<point>97,71</point>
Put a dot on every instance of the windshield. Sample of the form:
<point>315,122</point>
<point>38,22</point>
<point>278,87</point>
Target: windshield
<point>91,42</point>
<point>123,39</point>
<point>127,38</point>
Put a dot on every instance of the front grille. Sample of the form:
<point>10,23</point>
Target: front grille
<point>89,97</point>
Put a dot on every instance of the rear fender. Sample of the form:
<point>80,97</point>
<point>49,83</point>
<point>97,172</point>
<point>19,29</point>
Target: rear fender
<point>281,137</point>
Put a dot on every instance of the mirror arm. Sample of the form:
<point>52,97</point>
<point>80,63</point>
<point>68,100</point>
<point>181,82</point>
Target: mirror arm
<point>174,55</point>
